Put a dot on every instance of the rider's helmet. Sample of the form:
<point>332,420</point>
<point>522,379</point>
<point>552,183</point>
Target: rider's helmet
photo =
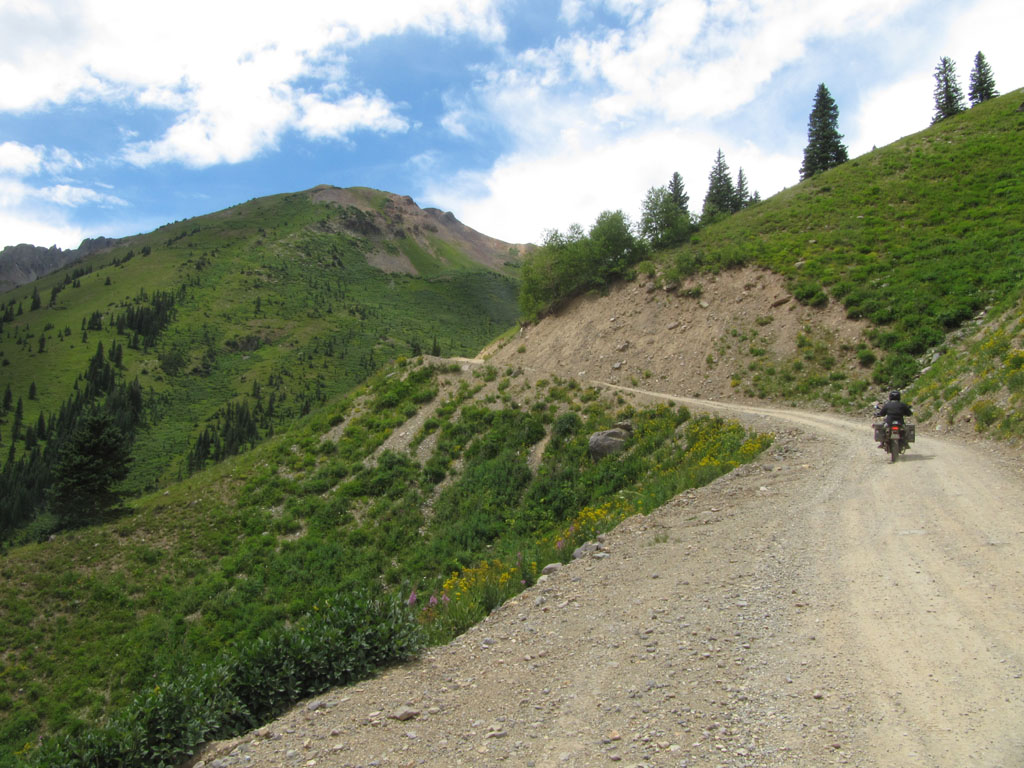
<point>894,395</point>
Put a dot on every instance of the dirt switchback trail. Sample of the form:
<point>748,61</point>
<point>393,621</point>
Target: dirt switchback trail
<point>917,576</point>
<point>820,606</point>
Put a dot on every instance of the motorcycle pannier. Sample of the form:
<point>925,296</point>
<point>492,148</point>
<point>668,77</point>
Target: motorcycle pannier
<point>908,431</point>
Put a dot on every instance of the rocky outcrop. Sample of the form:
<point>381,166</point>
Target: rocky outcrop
<point>20,264</point>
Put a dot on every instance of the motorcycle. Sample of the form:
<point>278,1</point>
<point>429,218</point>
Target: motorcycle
<point>894,438</point>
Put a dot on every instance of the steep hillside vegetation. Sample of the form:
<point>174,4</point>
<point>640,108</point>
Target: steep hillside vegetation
<point>448,485</point>
<point>204,337</point>
<point>917,237</point>
<point>451,484</point>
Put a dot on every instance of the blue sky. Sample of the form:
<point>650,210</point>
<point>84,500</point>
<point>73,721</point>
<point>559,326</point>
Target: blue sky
<point>519,116</point>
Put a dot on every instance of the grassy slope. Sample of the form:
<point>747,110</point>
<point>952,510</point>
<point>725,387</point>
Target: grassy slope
<point>325,321</point>
<point>918,237</point>
<point>259,539</point>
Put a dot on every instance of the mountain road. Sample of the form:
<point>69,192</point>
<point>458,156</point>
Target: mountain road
<point>820,606</point>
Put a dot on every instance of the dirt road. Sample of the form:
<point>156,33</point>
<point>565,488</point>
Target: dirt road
<point>819,607</point>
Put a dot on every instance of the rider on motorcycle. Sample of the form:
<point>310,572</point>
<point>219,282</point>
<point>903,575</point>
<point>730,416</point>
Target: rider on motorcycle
<point>893,411</point>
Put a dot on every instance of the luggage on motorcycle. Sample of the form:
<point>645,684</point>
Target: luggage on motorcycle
<point>908,432</point>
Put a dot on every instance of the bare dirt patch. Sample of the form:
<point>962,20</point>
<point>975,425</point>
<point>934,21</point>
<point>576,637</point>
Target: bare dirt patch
<point>667,340</point>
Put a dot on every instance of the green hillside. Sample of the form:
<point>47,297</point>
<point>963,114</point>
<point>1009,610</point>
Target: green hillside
<point>203,610</point>
<point>223,329</point>
<point>918,237</point>
<point>423,497</point>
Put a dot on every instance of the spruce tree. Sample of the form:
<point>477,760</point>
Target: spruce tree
<point>721,196</point>
<point>824,148</point>
<point>88,466</point>
<point>983,85</point>
<point>742,199</point>
<point>949,96</point>
<point>678,194</point>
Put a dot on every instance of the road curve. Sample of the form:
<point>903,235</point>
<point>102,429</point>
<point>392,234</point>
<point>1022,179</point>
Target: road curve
<point>918,571</point>
<point>819,606</point>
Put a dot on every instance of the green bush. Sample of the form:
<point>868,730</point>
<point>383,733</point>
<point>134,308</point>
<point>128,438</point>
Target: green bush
<point>346,639</point>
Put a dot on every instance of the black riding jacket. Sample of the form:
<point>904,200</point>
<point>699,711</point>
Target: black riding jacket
<point>894,411</point>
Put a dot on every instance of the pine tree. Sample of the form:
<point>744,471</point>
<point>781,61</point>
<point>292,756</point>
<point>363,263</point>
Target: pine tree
<point>983,85</point>
<point>824,148</point>
<point>721,194</point>
<point>92,461</point>
<point>678,194</point>
<point>949,97</point>
<point>742,192</point>
<point>19,414</point>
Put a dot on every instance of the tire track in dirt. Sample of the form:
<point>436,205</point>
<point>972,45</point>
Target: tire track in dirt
<point>921,563</point>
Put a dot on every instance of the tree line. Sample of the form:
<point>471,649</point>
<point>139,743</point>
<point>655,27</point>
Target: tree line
<point>572,262</point>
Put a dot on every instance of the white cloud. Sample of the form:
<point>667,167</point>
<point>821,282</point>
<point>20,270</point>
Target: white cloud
<point>456,117</point>
<point>322,119</point>
<point>519,198</point>
<point>72,197</point>
<point>17,159</point>
<point>230,73</point>
<point>44,231</point>
<point>24,220</point>
<point>890,113</point>
<point>994,27</point>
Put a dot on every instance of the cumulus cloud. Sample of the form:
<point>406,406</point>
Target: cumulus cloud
<point>19,160</point>
<point>230,76</point>
<point>580,178</point>
<point>72,196</point>
<point>335,119</point>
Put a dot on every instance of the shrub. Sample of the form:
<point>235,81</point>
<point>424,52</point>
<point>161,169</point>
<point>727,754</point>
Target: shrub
<point>986,413</point>
<point>347,638</point>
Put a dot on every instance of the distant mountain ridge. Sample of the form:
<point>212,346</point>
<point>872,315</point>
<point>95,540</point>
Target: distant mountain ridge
<point>23,263</point>
<point>388,216</point>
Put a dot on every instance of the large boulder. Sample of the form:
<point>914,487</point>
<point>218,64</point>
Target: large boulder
<point>610,441</point>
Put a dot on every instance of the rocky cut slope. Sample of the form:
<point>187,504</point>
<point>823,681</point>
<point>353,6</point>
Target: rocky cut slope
<point>710,338</point>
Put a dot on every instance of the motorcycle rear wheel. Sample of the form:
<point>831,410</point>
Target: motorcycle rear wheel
<point>894,449</point>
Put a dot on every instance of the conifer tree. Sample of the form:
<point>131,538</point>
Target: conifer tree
<point>949,96</point>
<point>742,192</point>
<point>721,196</point>
<point>678,194</point>
<point>983,84</point>
<point>92,461</point>
<point>825,148</point>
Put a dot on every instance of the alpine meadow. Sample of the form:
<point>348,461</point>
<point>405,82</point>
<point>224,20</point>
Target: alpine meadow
<point>244,458</point>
